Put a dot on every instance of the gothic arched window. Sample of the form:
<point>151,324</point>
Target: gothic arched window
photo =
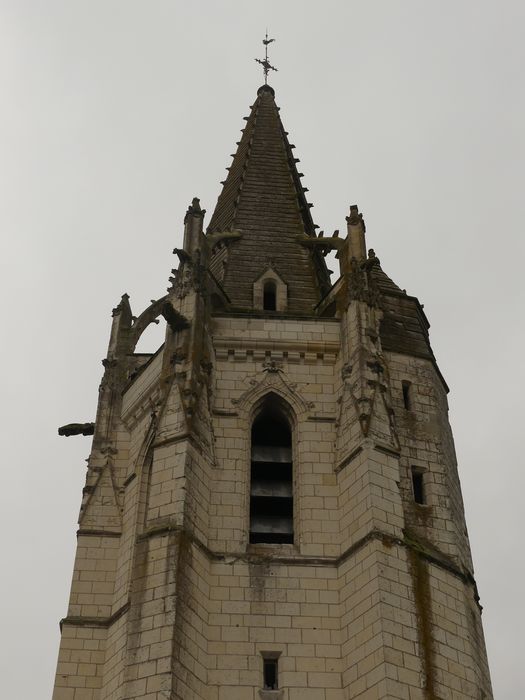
<point>271,484</point>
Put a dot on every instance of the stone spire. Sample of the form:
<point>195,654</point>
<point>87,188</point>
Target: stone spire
<point>263,199</point>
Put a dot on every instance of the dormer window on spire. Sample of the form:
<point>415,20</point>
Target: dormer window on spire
<point>270,292</point>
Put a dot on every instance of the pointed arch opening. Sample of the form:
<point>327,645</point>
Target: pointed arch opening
<point>270,292</point>
<point>271,482</point>
<point>150,339</point>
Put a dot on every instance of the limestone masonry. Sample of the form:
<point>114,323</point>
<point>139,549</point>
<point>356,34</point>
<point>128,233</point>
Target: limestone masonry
<point>272,507</point>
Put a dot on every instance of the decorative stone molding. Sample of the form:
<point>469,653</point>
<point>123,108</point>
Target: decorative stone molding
<point>273,382</point>
<point>272,366</point>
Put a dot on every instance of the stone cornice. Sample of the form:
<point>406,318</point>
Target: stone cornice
<point>289,346</point>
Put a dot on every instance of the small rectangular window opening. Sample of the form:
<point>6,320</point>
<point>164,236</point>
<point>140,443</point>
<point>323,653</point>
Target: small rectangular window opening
<point>270,296</point>
<point>417,486</point>
<point>407,395</point>
<point>270,673</point>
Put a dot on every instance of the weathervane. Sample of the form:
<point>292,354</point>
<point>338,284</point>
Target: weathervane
<point>265,63</point>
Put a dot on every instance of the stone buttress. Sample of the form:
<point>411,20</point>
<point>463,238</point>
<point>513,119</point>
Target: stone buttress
<point>272,507</point>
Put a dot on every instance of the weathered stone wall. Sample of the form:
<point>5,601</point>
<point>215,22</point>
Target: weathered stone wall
<point>426,442</point>
<point>374,600</point>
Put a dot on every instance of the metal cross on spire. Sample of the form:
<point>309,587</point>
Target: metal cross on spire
<point>265,63</point>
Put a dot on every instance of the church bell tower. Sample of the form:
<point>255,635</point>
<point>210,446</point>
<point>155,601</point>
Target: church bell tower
<point>272,508</point>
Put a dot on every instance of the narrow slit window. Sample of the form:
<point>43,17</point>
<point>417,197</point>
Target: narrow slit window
<point>271,484</point>
<point>270,296</point>
<point>407,395</point>
<point>418,486</point>
<point>270,674</point>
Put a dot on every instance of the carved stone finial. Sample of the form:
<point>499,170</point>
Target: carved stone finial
<point>355,240</point>
<point>195,209</point>
<point>355,216</point>
<point>124,302</point>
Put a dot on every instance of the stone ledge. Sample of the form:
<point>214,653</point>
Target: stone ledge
<point>409,542</point>
<point>97,533</point>
<point>100,622</point>
<point>271,694</point>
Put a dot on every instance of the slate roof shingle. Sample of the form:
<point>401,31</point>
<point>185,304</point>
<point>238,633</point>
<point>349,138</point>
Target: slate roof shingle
<point>262,197</point>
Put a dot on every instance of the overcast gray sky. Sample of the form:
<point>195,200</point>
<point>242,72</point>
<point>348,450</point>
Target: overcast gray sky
<point>115,113</point>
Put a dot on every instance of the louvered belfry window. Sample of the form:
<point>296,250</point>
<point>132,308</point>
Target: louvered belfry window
<point>271,487</point>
